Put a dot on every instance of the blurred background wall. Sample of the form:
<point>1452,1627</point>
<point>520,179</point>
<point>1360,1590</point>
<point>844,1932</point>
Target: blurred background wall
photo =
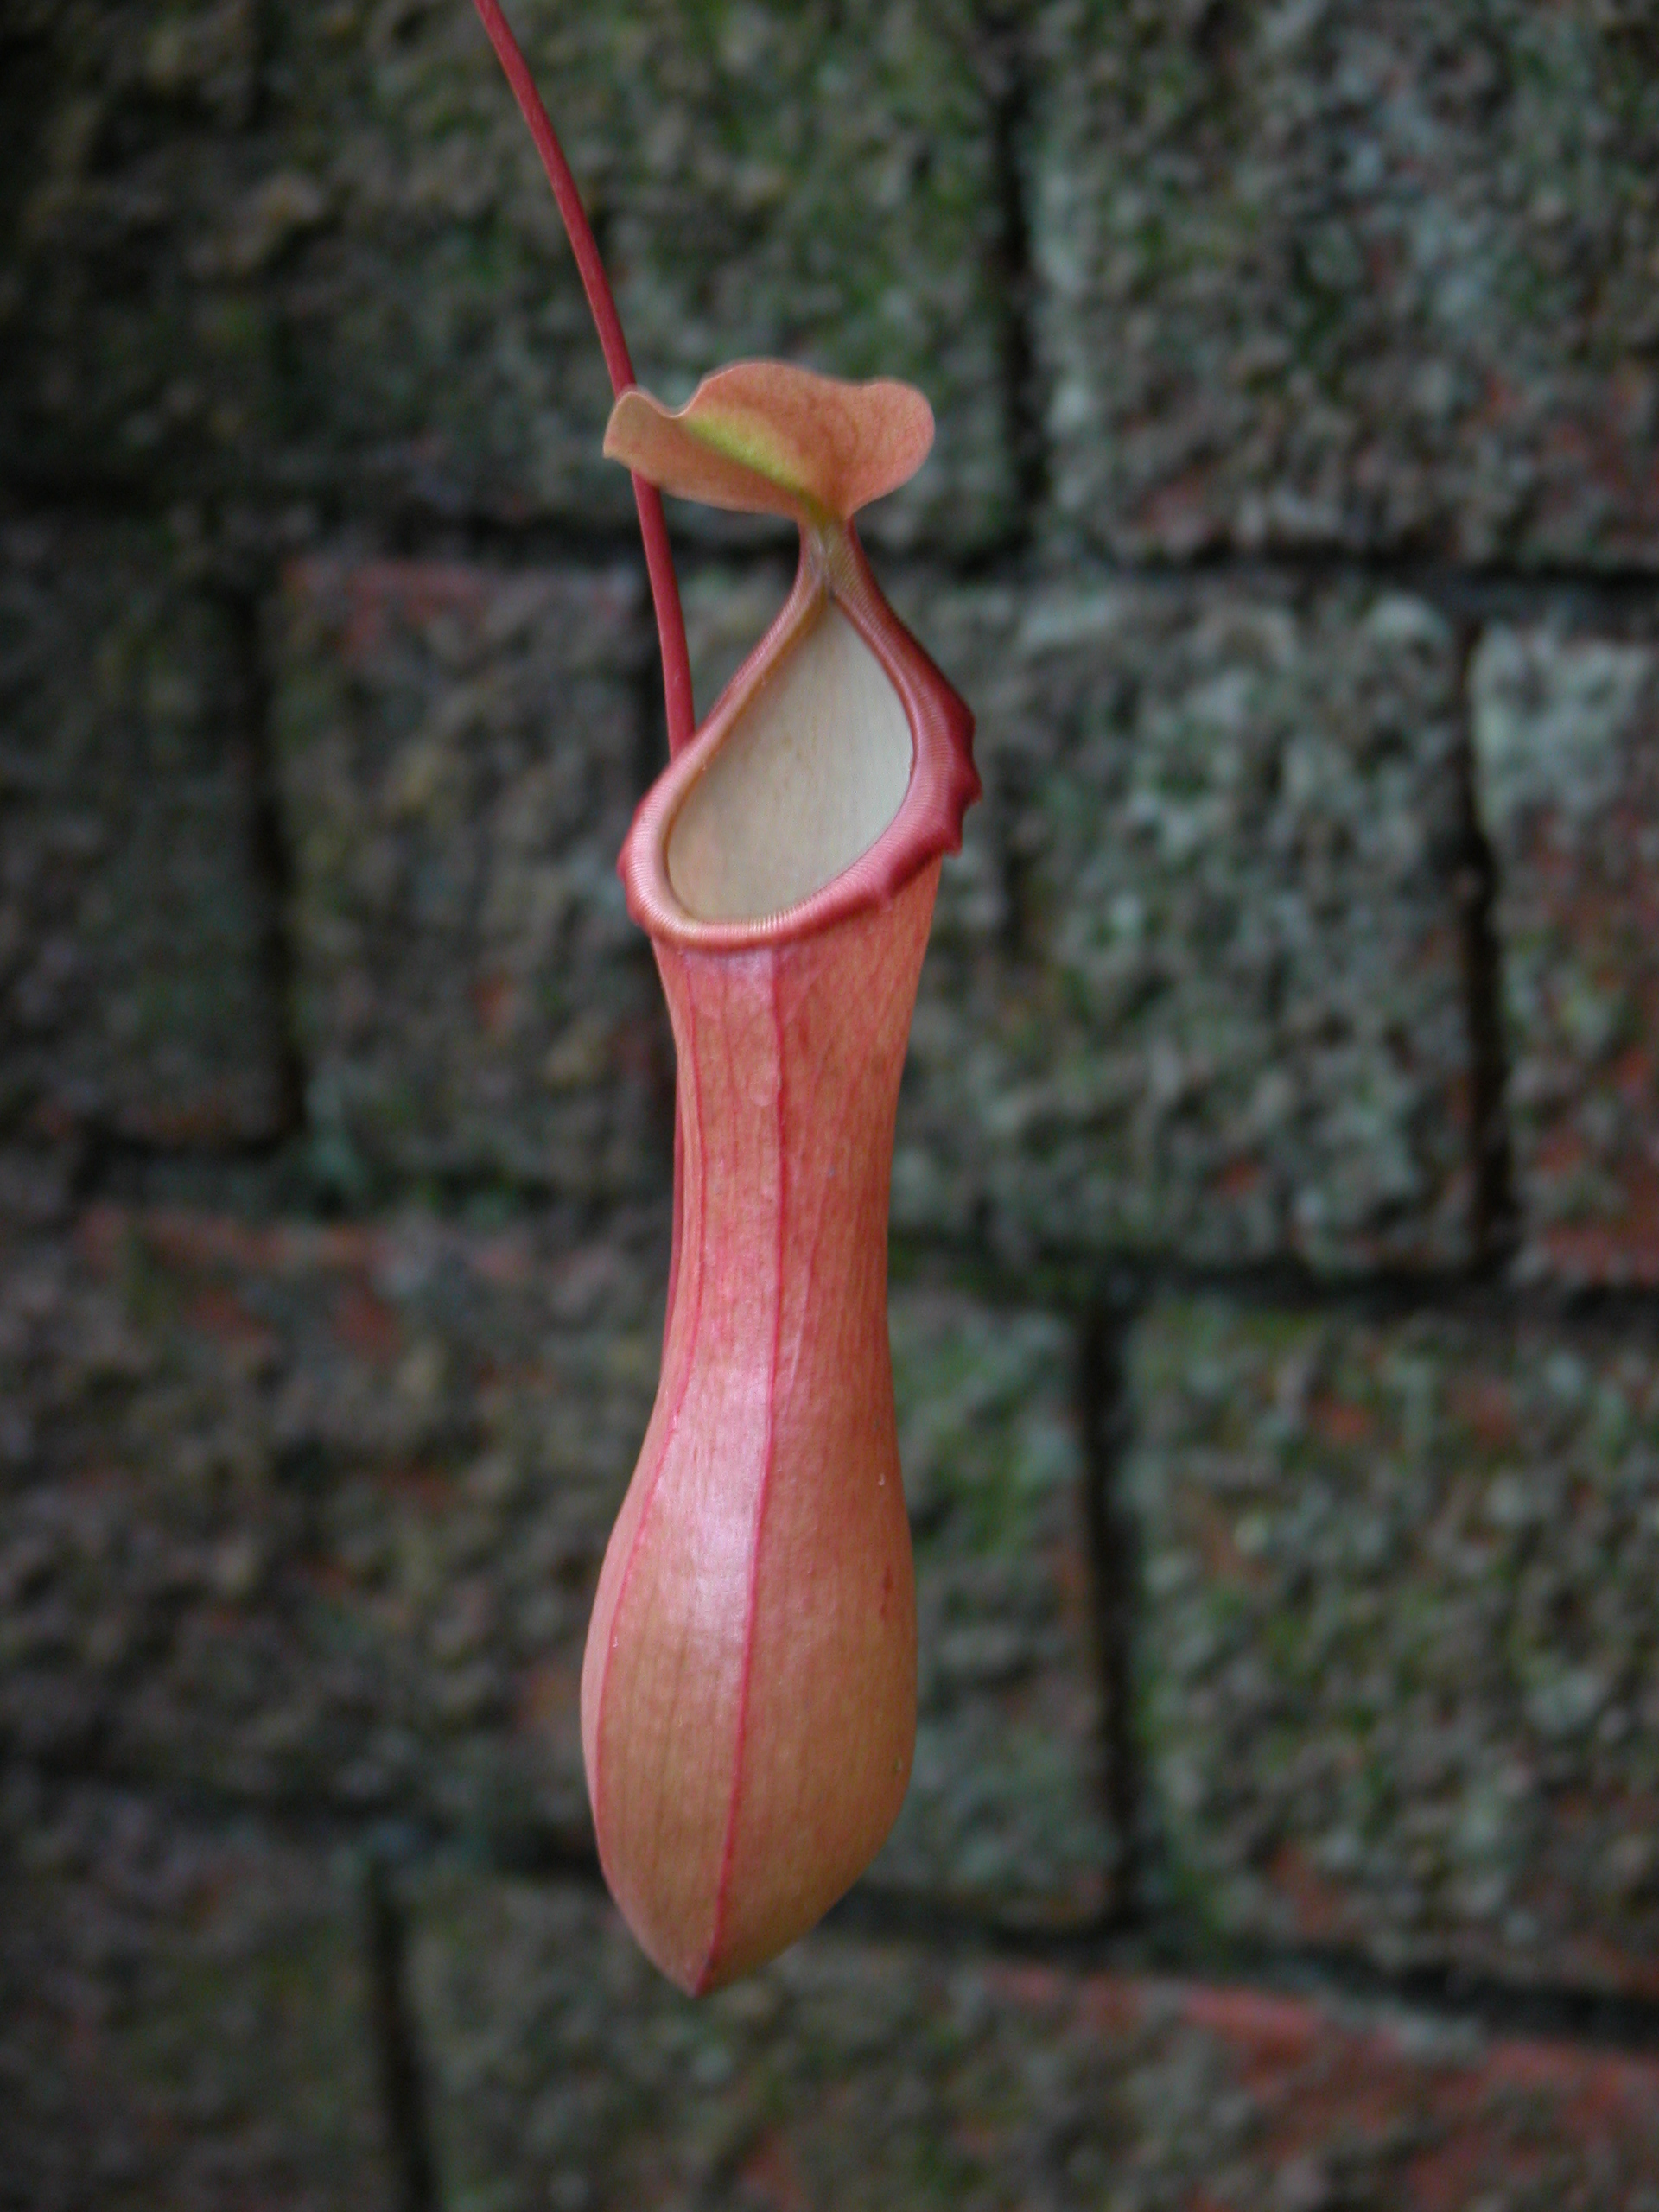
<point>1276,1204</point>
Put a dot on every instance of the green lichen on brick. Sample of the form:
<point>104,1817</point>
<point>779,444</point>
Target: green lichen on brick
<point>537,2098</point>
<point>138,350</point>
<point>1398,1653</point>
<point>1564,726</point>
<point>136,988</point>
<point>309,249</point>
<point>311,1518</point>
<point>1313,278</point>
<point>811,181</point>
<point>1005,1812</point>
<point>1196,985</point>
<point>457,750</point>
<point>565,2072</point>
<point>186,2018</point>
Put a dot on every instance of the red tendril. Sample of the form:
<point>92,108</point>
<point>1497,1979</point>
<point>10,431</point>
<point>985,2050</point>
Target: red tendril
<point>653,527</point>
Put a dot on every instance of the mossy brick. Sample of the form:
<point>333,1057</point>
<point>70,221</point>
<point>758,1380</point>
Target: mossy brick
<point>562,2071</point>
<point>1399,1661</point>
<point>1325,275</point>
<point>135,930</point>
<point>187,2020</point>
<point>813,180</point>
<point>1005,1815</point>
<point>458,751</point>
<point>310,1518</point>
<point>1565,728</point>
<point>309,250</point>
<point>139,208</point>
<point>1195,987</point>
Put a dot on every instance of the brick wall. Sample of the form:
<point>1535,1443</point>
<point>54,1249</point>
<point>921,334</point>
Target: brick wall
<point>1276,1199</point>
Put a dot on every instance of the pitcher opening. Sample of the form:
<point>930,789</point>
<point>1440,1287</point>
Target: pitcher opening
<point>810,775</point>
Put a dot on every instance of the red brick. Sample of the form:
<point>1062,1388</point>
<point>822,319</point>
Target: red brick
<point>1195,987</point>
<point>1006,1813</point>
<point>185,2017</point>
<point>1567,731</point>
<point>854,2072</point>
<point>310,1515</point>
<point>315,249</point>
<point>135,923</point>
<point>1399,1677</point>
<point>458,748</point>
<point>1377,279</point>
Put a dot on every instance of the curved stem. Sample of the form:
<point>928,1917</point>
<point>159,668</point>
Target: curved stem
<point>653,526</point>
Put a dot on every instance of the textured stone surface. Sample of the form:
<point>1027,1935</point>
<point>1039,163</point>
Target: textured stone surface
<point>134,925</point>
<point>565,2073</point>
<point>311,1516</point>
<point>138,344</point>
<point>1401,1660</point>
<point>310,247</point>
<point>1196,982</point>
<point>184,2018</point>
<point>458,750</point>
<point>814,181</point>
<point>1322,274</point>
<point>1566,743</point>
<point>1004,1815</point>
